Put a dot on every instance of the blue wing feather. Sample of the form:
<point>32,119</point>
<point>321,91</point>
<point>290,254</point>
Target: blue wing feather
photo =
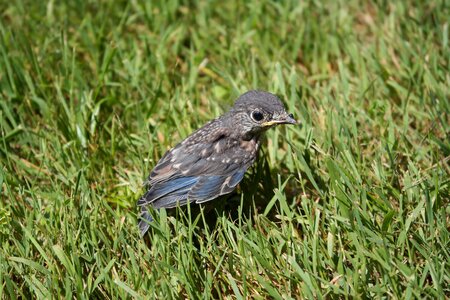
<point>160,190</point>
<point>210,187</point>
<point>207,188</point>
<point>173,200</point>
<point>236,178</point>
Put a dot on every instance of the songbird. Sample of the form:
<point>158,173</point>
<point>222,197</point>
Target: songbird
<point>212,160</point>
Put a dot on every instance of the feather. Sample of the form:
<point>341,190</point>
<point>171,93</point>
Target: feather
<point>206,188</point>
<point>160,190</point>
<point>144,221</point>
<point>212,187</point>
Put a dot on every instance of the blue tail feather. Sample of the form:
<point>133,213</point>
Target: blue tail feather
<point>144,221</point>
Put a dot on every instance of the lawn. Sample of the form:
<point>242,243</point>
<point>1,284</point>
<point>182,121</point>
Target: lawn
<point>354,203</point>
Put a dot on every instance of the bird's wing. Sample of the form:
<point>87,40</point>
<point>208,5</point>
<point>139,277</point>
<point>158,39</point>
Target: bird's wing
<point>198,169</point>
<point>210,187</point>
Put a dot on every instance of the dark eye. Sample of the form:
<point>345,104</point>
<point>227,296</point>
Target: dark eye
<point>257,116</point>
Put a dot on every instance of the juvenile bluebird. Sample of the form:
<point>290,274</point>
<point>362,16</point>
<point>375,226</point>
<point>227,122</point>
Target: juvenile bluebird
<point>212,160</point>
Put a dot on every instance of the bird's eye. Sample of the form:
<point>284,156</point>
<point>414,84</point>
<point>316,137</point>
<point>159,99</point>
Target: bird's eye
<point>291,116</point>
<point>257,116</point>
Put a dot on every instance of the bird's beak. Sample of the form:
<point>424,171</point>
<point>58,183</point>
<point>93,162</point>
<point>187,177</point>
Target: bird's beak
<point>281,119</point>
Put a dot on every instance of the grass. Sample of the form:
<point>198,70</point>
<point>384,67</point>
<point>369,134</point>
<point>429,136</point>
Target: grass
<point>353,204</point>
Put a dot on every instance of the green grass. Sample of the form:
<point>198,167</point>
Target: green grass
<point>353,204</point>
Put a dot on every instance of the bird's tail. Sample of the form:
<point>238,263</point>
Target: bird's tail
<point>144,221</point>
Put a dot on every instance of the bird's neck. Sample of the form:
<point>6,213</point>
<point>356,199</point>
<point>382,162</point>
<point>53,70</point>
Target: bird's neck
<point>251,137</point>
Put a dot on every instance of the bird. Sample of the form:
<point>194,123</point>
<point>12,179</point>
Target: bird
<point>212,160</point>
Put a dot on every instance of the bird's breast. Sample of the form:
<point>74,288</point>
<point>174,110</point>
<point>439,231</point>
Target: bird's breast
<point>250,146</point>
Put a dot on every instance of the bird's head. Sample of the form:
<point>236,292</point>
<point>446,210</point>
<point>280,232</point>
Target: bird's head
<point>256,111</point>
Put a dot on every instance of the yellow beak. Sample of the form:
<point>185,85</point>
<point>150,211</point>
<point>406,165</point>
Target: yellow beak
<point>288,119</point>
